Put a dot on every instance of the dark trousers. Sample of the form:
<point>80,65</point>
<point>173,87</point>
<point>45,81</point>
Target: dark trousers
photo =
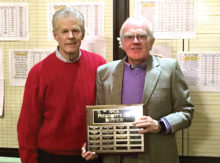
<point>45,157</point>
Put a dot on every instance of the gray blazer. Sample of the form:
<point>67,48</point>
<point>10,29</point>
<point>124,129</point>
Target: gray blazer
<point>165,95</point>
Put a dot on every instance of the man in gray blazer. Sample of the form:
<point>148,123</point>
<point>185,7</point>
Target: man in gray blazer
<point>157,83</point>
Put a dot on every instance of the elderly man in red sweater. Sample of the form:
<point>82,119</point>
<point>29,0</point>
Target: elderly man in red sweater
<point>51,126</point>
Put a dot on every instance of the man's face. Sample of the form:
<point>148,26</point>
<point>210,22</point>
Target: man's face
<point>136,42</point>
<point>69,36</point>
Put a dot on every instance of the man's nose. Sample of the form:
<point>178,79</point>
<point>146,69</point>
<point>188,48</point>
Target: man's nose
<point>71,35</point>
<point>135,39</point>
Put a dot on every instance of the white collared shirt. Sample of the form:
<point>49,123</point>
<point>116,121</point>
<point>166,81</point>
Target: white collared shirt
<point>59,56</point>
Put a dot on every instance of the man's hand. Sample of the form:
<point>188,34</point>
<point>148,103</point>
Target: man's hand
<point>88,155</point>
<point>147,124</point>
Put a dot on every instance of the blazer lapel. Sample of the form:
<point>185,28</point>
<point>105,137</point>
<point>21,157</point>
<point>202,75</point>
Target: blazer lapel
<point>153,71</point>
<point>117,82</point>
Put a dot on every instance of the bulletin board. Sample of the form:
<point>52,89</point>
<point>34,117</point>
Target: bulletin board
<point>201,139</point>
<point>35,38</point>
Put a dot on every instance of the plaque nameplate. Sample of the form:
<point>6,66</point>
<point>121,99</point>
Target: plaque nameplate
<point>110,128</point>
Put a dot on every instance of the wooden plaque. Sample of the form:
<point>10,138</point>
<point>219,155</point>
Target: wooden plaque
<point>110,128</point>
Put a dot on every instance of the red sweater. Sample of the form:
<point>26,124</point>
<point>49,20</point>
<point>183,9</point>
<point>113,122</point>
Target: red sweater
<point>52,116</point>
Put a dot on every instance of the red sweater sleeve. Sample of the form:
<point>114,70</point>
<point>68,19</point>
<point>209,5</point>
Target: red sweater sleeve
<point>29,120</point>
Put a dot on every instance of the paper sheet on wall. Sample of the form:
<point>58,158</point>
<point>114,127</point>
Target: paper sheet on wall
<point>93,14</point>
<point>161,51</point>
<point>21,61</point>
<point>171,19</point>
<point>94,44</point>
<point>1,83</point>
<point>201,70</point>
<point>94,24</point>
<point>14,21</point>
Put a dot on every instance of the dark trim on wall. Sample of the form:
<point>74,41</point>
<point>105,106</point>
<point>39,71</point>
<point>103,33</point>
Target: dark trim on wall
<point>193,159</point>
<point>9,152</point>
<point>13,152</point>
<point>120,13</point>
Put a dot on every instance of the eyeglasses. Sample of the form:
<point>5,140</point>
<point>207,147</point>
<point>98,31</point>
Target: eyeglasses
<point>139,37</point>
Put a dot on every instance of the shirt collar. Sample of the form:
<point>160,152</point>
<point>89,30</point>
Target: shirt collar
<point>140,66</point>
<point>59,56</point>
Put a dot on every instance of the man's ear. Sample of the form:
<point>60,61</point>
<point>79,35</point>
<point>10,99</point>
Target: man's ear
<point>83,34</point>
<point>54,35</point>
<point>152,42</point>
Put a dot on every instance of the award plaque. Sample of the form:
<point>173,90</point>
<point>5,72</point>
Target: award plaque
<point>110,128</point>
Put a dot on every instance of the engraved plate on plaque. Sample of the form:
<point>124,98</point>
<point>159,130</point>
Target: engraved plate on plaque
<point>110,129</point>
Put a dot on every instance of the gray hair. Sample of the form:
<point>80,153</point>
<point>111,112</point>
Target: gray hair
<point>141,19</point>
<point>68,12</point>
